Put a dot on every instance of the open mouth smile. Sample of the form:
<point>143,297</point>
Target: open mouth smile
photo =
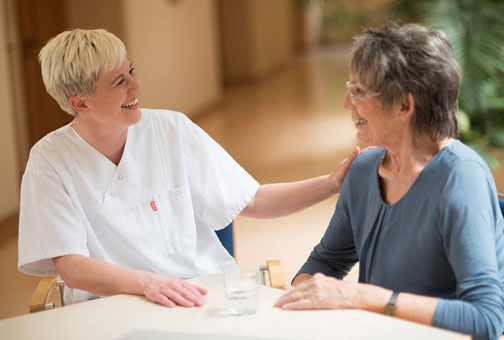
<point>360,121</point>
<point>131,104</point>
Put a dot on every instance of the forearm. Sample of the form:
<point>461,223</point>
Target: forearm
<point>409,307</point>
<point>280,199</point>
<point>99,277</point>
<point>326,292</point>
<point>416,308</point>
<point>102,278</point>
<point>482,320</point>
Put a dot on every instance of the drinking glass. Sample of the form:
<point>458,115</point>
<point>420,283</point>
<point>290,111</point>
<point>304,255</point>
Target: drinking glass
<point>241,290</point>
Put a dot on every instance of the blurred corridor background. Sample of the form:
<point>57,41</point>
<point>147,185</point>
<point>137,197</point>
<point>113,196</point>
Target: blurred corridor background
<point>265,78</point>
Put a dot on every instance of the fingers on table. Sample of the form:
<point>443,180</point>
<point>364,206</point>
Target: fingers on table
<point>299,304</point>
<point>178,292</point>
<point>177,297</point>
<point>192,293</point>
<point>293,296</point>
<point>201,290</point>
<point>184,294</point>
<point>163,300</point>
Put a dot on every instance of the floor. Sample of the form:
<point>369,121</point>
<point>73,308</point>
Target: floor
<point>291,126</point>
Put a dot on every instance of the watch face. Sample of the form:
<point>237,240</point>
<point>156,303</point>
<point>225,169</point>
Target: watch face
<point>389,310</point>
<point>390,306</point>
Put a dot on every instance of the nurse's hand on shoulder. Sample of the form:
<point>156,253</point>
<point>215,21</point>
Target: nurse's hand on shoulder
<point>321,292</point>
<point>338,175</point>
<point>171,292</point>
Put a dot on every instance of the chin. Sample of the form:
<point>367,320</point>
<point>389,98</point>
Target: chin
<point>364,139</point>
<point>134,116</point>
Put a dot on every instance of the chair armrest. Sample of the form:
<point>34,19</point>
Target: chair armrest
<point>276,273</point>
<point>39,300</point>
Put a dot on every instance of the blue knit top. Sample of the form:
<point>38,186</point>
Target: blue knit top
<point>443,238</point>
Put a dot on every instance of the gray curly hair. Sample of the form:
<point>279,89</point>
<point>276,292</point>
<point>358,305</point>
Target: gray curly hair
<point>395,61</point>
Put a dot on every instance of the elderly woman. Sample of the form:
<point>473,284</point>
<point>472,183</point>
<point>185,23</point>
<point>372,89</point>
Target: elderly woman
<point>420,212</point>
<point>126,200</point>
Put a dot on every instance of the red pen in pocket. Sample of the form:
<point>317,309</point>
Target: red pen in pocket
<point>153,205</point>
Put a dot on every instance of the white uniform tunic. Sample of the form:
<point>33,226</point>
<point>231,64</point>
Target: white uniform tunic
<point>156,211</point>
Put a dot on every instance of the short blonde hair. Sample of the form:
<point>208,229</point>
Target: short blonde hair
<point>72,61</point>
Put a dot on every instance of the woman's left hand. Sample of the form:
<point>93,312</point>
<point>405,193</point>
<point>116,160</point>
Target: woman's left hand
<point>321,292</point>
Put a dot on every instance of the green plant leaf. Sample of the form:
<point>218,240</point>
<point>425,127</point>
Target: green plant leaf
<point>497,137</point>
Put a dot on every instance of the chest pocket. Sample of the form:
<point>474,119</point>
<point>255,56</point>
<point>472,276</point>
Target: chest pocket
<point>161,224</point>
<point>176,217</point>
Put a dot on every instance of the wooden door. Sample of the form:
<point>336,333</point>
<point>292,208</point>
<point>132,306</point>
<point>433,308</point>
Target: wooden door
<point>39,21</point>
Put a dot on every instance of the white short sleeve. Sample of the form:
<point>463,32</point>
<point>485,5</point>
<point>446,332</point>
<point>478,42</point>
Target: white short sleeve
<point>49,224</point>
<point>220,187</point>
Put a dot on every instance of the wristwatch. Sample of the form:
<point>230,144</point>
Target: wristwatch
<point>390,306</point>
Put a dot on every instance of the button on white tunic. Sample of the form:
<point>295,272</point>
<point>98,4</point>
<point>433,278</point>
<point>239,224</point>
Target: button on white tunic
<point>156,211</point>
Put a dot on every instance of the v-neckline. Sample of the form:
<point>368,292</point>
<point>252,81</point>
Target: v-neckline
<point>100,155</point>
<point>415,183</point>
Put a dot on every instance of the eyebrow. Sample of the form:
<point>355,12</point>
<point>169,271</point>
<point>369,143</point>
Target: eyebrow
<point>120,76</point>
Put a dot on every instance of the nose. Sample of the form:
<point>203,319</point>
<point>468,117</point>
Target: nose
<point>134,84</point>
<point>347,102</point>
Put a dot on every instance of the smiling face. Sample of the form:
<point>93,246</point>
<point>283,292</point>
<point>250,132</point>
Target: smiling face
<point>114,103</point>
<point>373,125</point>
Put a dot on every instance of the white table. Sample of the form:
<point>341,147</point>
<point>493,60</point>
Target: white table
<point>118,316</point>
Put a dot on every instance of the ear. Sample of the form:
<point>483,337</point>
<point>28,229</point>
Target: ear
<point>78,103</point>
<point>407,107</point>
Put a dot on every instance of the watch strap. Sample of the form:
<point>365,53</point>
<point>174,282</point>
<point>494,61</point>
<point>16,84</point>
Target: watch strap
<point>390,306</point>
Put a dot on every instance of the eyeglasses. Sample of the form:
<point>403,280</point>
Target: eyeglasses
<point>358,96</point>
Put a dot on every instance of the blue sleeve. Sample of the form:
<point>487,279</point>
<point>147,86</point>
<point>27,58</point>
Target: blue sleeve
<point>468,222</point>
<point>335,255</point>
